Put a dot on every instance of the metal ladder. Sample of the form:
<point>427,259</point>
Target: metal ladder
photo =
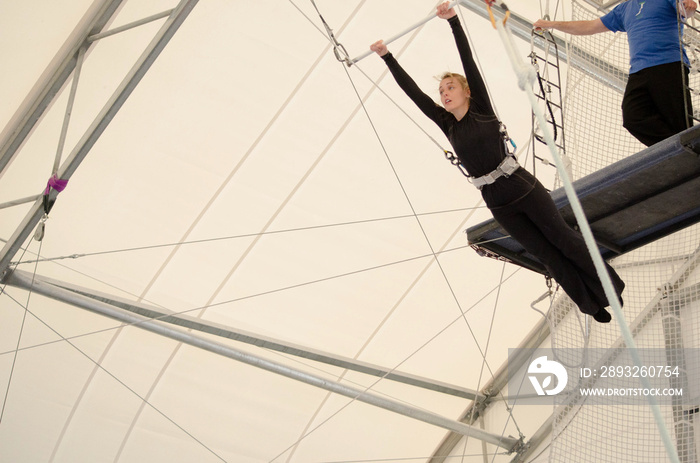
<point>548,90</point>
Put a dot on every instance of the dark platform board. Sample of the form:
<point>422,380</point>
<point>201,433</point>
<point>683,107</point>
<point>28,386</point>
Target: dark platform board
<point>628,204</point>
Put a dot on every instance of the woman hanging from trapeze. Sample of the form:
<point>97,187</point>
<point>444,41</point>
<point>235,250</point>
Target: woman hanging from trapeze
<point>518,201</point>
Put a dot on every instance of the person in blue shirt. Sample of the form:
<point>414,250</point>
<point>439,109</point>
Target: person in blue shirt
<point>656,103</point>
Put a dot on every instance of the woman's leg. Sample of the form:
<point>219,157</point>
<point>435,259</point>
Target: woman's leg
<point>523,230</point>
<point>538,226</point>
<point>541,210</point>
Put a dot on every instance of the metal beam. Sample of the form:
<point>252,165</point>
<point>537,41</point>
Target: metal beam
<point>52,80</point>
<point>681,294</point>
<point>21,279</point>
<point>535,441</point>
<point>132,25</point>
<point>670,314</point>
<point>539,333</point>
<point>492,389</point>
<point>675,286</point>
<point>577,58</point>
<point>247,337</point>
<point>99,125</point>
<point>657,304</point>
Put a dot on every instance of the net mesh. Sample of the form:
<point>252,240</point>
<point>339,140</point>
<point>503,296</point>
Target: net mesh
<point>661,299</point>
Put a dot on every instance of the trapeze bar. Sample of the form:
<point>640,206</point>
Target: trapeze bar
<point>22,279</point>
<point>630,203</point>
<point>401,34</point>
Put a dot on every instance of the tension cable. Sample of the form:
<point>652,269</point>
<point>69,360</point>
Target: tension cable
<point>338,49</point>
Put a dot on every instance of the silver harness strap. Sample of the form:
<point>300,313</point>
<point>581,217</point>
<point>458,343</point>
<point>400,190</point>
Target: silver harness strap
<point>505,168</point>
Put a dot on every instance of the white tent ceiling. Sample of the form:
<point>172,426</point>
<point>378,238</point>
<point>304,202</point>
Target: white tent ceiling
<point>244,183</point>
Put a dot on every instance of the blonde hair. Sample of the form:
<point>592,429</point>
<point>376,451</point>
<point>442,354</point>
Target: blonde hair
<point>458,77</point>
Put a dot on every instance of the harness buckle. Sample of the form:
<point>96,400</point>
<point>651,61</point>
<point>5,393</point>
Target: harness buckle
<point>508,166</point>
<point>504,169</point>
<point>489,178</point>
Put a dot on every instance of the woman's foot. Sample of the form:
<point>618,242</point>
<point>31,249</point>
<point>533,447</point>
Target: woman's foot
<point>602,316</point>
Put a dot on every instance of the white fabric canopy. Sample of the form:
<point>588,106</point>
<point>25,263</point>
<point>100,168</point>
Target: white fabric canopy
<point>253,181</point>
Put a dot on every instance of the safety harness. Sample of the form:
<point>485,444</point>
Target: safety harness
<point>504,169</point>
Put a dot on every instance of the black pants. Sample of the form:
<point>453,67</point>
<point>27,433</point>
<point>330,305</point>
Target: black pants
<point>657,103</point>
<point>535,222</point>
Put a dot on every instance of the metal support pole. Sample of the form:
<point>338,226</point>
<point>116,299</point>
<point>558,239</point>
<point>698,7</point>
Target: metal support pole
<point>69,109</point>
<point>99,125</point>
<point>498,382</point>
<point>535,441</point>
<point>653,309</point>
<point>265,342</point>
<point>19,201</point>
<point>192,339</point>
<point>592,66</point>
<point>52,80</point>
<point>129,26</point>
<point>675,355</point>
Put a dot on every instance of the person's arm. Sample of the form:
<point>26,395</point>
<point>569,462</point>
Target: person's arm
<point>426,104</point>
<point>477,86</point>
<point>590,27</point>
<point>689,6</point>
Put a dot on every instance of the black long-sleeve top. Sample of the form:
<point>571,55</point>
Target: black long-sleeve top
<point>476,138</point>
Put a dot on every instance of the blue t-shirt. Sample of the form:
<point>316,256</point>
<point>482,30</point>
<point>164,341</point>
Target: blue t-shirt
<point>652,31</point>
